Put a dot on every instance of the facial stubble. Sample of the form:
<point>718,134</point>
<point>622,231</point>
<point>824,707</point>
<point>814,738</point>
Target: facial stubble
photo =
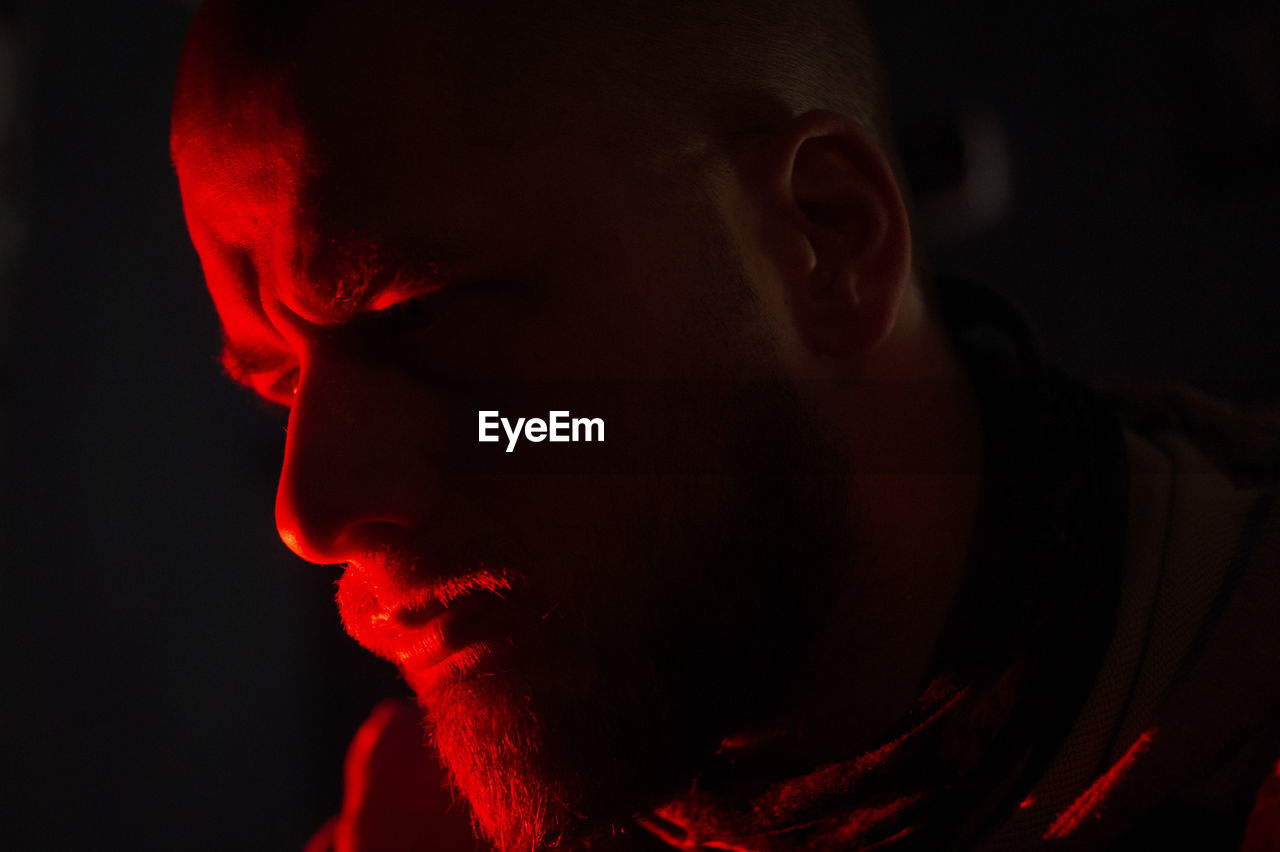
<point>681,633</point>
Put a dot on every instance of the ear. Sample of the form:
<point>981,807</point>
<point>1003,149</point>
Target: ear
<point>838,192</point>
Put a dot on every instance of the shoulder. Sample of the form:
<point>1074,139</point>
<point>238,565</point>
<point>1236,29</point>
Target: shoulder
<point>1182,724</point>
<point>1242,442</point>
<point>1209,680</point>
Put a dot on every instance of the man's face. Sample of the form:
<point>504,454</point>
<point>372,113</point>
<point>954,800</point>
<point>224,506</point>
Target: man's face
<point>582,628</point>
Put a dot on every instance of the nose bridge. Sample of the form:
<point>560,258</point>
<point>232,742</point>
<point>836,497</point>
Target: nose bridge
<point>360,460</point>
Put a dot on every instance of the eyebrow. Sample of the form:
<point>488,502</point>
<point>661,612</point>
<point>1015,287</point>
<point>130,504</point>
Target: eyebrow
<point>369,270</point>
<point>352,271</point>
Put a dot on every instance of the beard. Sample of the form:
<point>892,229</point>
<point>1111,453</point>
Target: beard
<point>680,627</point>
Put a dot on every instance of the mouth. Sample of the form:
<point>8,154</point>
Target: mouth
<point>447,628</point>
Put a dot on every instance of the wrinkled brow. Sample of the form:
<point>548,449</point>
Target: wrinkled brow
<point>346,281</point>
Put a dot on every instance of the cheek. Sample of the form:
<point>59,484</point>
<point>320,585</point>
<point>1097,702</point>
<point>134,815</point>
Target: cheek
<point>660,492</point>
<point>562,523</point>
<point>597,544</point>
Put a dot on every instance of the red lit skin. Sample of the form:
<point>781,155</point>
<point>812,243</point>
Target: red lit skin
<point>552,583</point>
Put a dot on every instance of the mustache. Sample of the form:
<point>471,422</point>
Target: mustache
<point>399,580</point>
<point>385,593</point>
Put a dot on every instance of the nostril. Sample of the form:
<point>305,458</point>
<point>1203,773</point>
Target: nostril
<point>388,538</point>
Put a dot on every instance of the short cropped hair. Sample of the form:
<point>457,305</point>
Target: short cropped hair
<point>729,66</point>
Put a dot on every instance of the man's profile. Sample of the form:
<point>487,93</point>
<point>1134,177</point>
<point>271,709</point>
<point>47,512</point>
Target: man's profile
<point>854,569</point>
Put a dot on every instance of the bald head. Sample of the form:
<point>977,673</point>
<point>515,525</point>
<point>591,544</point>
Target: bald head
<point>297,99</point>
<point>643,71</point>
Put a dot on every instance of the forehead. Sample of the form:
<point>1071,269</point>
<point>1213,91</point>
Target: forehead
<point>380,143</point>
<point>359,145</point>
<point>287,169</point>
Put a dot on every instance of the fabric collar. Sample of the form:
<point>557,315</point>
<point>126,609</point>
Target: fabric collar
<point>1024,643</point>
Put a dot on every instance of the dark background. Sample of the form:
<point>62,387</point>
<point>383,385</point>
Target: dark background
<point>176,680</point>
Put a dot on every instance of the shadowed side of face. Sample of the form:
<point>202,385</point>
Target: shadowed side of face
<point>389,256</point>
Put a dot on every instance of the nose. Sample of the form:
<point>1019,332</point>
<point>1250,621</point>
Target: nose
<point>358,472</point>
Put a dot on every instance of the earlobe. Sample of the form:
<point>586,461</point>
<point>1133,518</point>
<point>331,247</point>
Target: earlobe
<point>845,200</point>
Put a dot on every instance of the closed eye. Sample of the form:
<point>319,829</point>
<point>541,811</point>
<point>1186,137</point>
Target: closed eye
<point>283,389</point>
<point>402,320</point>
<point>409,314</point>
<point>278,388</point>
<point>271,375</point>
<point>418,311</point>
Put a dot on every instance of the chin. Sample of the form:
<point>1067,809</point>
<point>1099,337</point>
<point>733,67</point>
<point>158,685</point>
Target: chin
<point>543,768</point>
